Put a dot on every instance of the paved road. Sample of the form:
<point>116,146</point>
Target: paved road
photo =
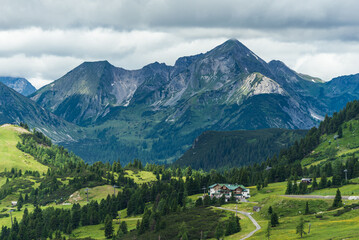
<point>314,196</point>
<point>250,217</point>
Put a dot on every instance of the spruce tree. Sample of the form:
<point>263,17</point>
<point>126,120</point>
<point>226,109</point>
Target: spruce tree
<point>274,220</point>
<point>123,227</point>
<point>323,181</point>
<point>270,210</point>
<point>108,226</point>
<point>340,132</point>
<point>315,184</point>
<point>295,188</point>
<point>337,200</point>
<point>219,231</point>
<point>300,227</point>
<point>289,190</point>
<point>183,232</point>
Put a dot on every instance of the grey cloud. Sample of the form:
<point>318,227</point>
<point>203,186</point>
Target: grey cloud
<point>130,14</point>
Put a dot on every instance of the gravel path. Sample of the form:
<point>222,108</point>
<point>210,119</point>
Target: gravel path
<point>314,196</point>
<point>250,217</point>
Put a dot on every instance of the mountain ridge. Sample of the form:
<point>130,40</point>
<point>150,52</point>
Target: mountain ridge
<point>157,111</point>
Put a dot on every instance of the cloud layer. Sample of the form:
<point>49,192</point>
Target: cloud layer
<point>42,40</point>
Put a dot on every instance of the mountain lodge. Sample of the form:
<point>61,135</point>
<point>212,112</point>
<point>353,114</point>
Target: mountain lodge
<point>219,189</point>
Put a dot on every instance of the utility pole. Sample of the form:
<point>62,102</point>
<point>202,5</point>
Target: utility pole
<point>87,192</point>
<point>346,174</point>
<point>204,190</point>
<point>114,187</point>
<point>11,210</point>
<point>309,228</point>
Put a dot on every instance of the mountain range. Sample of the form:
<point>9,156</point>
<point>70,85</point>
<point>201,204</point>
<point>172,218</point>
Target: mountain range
<point>156,112</point>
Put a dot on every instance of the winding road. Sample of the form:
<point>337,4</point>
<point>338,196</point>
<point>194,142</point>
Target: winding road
<point>250,217</point>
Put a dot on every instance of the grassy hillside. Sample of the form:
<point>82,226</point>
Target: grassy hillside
<point>340,148</point>
<point>214,149</point>
<point>10,156</point>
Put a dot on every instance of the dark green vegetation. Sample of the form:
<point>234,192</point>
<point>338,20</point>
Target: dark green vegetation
<point>193,223</point>
<point>219,150</point>
<point>68,173</point>
<point>156,112</point>
<point>21,85</point>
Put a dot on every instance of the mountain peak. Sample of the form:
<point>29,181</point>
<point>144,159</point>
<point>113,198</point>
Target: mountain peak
<point>96,63</point>
<point>232,45</point>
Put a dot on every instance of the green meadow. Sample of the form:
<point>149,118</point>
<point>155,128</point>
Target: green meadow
<point>10,156</point>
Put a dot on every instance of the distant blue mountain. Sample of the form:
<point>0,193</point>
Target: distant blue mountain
<point>21,85</point>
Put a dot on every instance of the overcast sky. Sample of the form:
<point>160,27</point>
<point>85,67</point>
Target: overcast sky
<point>42,40</point>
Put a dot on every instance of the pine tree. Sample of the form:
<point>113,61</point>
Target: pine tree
<point>123,227</point>
<point>199,202</point>
<point>270,210</point>
<point>315,184</point>
<point>219,231</point>
<point>289,190</point>
<point>108,226</point>
<point>300,227</point>
<point>340,132</point>
<point>183,232</point>
<point>323,181</point>
<point>337,200</point>
<point>20,202</point>
<point>274,220</point>
<point>295,188</point>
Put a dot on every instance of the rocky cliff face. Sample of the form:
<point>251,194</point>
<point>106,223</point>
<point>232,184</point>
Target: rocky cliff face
<point>229,74</point>
<point>20,85</point>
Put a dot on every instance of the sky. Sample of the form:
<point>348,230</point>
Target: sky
<point>42,40</point>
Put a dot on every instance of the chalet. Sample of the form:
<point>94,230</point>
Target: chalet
<point>223,189</point>
<point>306,180</point>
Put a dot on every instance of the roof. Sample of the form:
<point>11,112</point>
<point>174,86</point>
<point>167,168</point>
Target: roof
<point>229,186</point>
<point>212,186</point>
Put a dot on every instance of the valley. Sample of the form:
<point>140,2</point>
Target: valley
<point>178,209</point>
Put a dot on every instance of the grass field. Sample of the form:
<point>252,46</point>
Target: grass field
<point>10,156</point>
<point>346,190</point>
<point>290,210</point>
<point>98,232</point>
<point>96,194</point>
<point>141,177</point>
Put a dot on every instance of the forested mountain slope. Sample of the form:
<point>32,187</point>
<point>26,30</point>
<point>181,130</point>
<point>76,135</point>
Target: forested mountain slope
<point>220,150</point>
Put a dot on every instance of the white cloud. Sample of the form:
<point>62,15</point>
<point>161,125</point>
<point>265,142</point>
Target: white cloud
<point>42,40</point>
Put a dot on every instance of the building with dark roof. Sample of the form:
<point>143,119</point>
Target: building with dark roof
<point>227,190</point>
